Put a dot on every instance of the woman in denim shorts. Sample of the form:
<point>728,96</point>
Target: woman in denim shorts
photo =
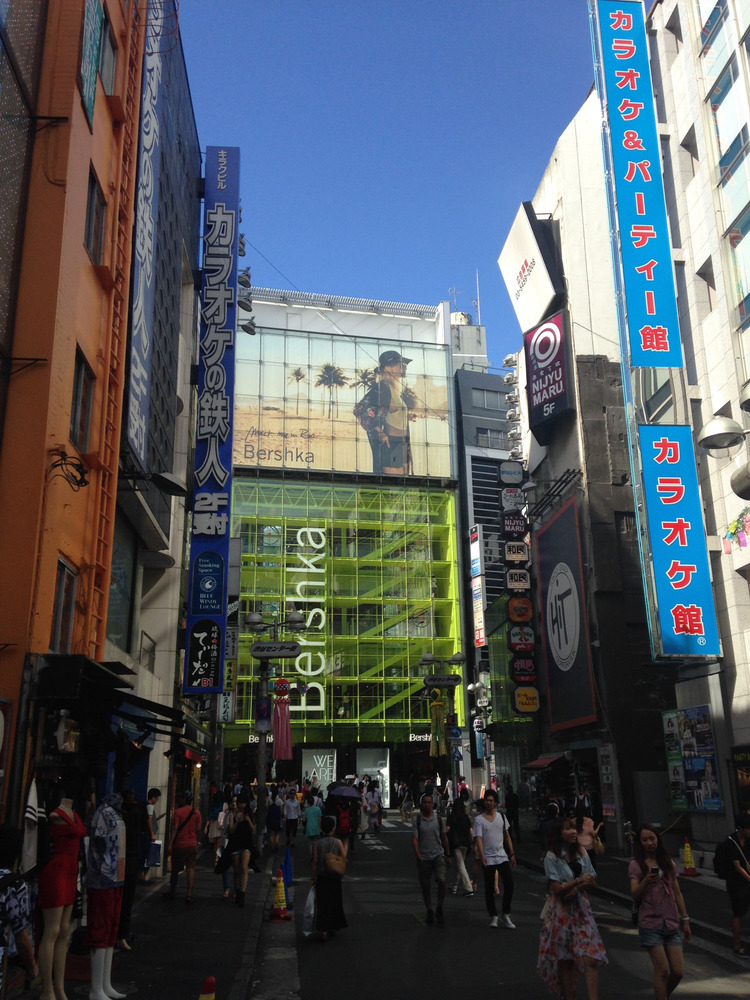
<point>661,909</point>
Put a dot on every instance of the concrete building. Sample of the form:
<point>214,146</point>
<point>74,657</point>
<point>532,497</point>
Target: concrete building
<point>79,679</point>
<point>700,71</point>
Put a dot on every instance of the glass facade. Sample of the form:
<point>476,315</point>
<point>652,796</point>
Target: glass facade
<point>375,573</point>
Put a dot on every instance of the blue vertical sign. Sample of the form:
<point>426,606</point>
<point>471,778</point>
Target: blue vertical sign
<point>212,489</point>
<point>144,244</point>
<point>628,103</point>
<point>682,580</point>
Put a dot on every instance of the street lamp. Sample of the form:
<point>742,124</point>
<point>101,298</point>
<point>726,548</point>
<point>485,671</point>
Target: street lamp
<point>293,622</point>
<point>449,681</point>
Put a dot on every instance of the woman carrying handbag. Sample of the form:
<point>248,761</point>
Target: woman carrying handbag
<point>327,881</point>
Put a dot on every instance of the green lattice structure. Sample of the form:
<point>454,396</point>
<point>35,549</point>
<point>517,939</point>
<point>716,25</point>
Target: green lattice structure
<point>375,572</point>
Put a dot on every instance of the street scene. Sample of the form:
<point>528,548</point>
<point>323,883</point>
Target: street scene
<point>375,492</point>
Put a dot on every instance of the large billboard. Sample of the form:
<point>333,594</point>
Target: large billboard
<point>212,483</point>
<point>562,608</point>
<point>329,403</point>
<point>691,760</point>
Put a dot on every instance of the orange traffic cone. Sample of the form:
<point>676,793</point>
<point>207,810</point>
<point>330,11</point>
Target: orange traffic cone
<point>689,865</point>
<point>209,989</point>
<point>278,910</point>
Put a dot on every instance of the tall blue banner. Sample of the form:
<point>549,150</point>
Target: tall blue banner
<point>212,489</point>
<point>685,606</point>
<point>144,244</point>
<point>641,218</point>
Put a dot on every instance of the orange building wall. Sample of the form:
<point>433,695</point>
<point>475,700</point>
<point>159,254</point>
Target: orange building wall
<point>63,304</point>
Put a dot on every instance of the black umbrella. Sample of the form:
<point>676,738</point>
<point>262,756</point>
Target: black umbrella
<point>345,791</point>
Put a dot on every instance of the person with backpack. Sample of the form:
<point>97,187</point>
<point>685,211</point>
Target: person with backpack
<point>430,843</point>
<point>662,913</point>
<point>731,863</point>
<point>383,413</point>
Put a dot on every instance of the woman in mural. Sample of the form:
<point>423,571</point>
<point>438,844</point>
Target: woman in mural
<point>383,412</point>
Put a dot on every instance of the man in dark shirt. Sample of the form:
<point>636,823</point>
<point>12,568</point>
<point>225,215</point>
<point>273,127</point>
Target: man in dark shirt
<point>738,882</point>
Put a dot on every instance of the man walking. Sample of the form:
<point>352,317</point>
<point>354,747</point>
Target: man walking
<point>491,835</point>
<point>430,844</point>
<point>738,880</point>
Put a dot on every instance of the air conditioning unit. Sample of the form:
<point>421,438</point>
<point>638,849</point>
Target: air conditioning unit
<point>516,452</point>
<point>510,361</point>
<point>515,434</point>
<point>513,415</point>
<point>511,397</point>
<point>510,379</point>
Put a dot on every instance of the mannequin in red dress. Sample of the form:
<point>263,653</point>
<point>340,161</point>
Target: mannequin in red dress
<point>57,891</point>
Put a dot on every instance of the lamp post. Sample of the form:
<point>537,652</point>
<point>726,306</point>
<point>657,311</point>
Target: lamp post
<point>293,622</point>
<point>481,697</point>
<point>448,681</point>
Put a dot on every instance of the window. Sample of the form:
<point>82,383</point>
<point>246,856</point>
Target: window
<point>491,437</point>
<point>487,399</point>
<point>83,398</point>
<point>717,37</point>
<point>107,55</point>
<point>61,639</point>
<point>739,246</point>
<point>730,116</point>
<point>95,212</point>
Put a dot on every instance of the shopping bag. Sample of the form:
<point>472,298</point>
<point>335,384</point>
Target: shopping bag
<point>153,855</point>
<point>308,916</point>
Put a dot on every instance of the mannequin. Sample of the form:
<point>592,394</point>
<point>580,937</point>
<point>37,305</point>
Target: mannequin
<point>105,866</point>
<point>57,890</point>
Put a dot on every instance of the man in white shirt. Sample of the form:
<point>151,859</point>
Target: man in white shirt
<point>491,836</point>
<point>292,811</point>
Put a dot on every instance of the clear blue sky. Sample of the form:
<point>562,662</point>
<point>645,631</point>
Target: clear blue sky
<point>386,146</point>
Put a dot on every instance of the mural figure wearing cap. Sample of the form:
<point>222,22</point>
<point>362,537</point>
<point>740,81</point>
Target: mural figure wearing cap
<point>384,414</point>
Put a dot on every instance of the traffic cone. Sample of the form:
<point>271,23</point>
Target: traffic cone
<point>278,910</point>
<point>689,865</point>
<point>209,989</point>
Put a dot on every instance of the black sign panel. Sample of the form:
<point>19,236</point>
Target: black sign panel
<point>513,524</point>
<point>522,670</point>
<point>204,656</point>
<point>549,377</point>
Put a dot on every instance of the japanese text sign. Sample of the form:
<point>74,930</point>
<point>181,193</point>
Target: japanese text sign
<point>687,620</point>
<point>627,100</point>
<point>212,491</point>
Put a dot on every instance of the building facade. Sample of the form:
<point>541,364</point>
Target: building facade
<point>698,60</point>
<point>354,526</point>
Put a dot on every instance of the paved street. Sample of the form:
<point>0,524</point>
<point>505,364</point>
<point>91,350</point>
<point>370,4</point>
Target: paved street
<point>387,948</point>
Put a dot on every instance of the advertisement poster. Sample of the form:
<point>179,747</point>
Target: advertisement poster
<point>323,403</point>
<point>691,760</point>
<point>562,607</point>
<point>741,771</point>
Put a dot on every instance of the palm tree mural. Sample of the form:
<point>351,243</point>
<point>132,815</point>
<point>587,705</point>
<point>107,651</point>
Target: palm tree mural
<point>364,377</point>
<point>331,378</point>
<point>297,375</point>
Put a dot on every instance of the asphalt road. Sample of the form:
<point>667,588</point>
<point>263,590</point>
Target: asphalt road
<point>388,949</point>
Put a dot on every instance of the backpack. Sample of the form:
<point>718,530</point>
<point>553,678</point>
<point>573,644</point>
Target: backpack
<point>724,857</point>
<point>369,409</point>
<point>344,821</point>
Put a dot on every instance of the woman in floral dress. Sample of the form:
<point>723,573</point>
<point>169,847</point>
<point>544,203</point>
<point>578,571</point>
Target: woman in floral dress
<point>570,941</point>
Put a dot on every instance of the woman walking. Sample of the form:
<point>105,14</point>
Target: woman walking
<point>661,909</point>
<point>458,828</point>
<point>329,917</point>
<point>570,941</point>
<point>240,847</point>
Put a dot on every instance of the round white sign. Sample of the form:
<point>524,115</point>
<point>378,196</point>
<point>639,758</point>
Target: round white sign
<point>563,622</point>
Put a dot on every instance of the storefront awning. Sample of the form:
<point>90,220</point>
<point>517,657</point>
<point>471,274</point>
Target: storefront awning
<point>164,714</point>
<point>544,761</point>
<point>64,677</point>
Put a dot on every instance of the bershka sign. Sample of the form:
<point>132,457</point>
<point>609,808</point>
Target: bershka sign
<point>549,381</point>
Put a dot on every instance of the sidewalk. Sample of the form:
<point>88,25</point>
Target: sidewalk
<point>176,946</point>
<point>705,896</point>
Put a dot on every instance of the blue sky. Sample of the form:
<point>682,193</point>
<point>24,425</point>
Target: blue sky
<point>386,146</point>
